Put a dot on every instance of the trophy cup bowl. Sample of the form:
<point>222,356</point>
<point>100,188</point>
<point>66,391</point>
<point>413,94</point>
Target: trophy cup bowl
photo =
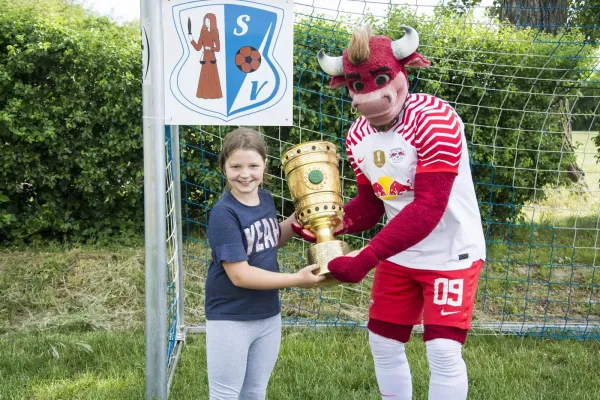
<point>311,170</point>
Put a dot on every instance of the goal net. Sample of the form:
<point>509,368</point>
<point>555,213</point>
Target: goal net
<point>523,77</point>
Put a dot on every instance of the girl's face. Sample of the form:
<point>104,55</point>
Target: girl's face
<point>244,171</point>
<point>207,22</point>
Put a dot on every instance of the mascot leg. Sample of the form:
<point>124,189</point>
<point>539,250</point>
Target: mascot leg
<point>448,379</point>
<point>391,365</point>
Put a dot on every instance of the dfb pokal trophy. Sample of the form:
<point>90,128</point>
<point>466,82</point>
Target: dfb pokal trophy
<point>312,174</point>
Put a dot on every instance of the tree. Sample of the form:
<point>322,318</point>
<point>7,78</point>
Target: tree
<point>548,16</point>
<point>585,15</point>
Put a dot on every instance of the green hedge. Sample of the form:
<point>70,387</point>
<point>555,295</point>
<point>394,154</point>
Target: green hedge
<point>70,123</point>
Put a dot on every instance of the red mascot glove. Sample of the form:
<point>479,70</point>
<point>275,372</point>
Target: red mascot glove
<point>353,269</point>
<point>308,236</point>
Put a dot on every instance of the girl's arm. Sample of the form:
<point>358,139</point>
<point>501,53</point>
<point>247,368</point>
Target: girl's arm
<point>285,227</point>
<point>246,276</point>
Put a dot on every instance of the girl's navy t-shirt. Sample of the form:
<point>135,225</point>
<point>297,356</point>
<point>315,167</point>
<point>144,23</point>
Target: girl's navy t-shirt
<point>237,232</point>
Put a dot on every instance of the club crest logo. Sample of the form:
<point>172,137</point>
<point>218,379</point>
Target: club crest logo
<point>228,63</point>
<point>396,155</point>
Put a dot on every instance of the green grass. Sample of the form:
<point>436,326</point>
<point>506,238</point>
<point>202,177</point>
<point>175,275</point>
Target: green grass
<point>313,364</point>
<point>71,321</point>
<point>83,287</point>
<point>535,277</point>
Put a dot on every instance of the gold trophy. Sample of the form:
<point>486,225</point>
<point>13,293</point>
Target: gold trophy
<point>311,170</point>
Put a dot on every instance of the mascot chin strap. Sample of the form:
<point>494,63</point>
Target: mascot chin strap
<point>384,128</point>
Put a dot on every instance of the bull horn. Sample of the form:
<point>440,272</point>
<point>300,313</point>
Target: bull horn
<point>407,44</point>
<point>331,65</point>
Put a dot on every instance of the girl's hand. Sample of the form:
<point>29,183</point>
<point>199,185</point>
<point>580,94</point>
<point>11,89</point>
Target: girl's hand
<point>306,278</point>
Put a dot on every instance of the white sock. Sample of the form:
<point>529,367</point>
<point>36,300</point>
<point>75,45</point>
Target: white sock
<point>448,370</point>
<point>391,368</point>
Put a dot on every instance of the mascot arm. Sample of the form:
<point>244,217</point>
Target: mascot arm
<point>411,225</point>
<point>418,219</point>
<point>364,211</point>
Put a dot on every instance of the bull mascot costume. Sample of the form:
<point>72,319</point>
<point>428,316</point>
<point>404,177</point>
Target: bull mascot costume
<point>410,158</point>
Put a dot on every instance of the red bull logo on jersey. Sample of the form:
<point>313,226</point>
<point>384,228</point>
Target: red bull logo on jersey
<point>386,188</point>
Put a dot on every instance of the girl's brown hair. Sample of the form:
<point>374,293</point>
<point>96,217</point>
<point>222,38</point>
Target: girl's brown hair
<point>242,139</point>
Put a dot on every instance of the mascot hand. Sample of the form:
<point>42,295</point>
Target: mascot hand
<point>353,268</point>
<point>303,233</point>
<point>309,236</point>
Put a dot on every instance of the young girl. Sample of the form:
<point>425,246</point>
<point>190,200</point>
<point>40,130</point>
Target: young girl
<point>243,327</point>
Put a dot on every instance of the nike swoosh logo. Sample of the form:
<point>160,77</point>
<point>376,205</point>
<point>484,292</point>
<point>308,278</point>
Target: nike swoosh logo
<point>361,160</point>
<point>449,312</point>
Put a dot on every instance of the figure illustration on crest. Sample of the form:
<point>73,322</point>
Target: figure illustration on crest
<point>209,84</point>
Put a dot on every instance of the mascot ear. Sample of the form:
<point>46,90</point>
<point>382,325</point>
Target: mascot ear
<point>415,60</point>
<point>337,82</point>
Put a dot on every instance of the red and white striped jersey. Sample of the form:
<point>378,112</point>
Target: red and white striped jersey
<point>428,137</point>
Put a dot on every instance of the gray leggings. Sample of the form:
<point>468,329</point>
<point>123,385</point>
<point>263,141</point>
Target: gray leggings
<point>241,356</point>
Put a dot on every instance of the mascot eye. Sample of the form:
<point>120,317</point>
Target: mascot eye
<point>358,86</point>
<point>382,79</point>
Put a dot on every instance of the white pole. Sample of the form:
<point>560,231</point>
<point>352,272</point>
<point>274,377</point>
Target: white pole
<point>154,199</point>
<point>179,225</point>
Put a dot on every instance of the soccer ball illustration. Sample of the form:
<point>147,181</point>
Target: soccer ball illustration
<point>248,59</point>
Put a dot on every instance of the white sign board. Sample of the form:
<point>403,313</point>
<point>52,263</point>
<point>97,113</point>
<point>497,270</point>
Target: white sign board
<point>228,62</point>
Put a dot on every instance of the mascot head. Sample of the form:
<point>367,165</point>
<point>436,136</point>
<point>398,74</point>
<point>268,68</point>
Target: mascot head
<point>374,69</point>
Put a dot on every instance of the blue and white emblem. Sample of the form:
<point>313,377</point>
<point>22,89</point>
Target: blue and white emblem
<point>228,62</point>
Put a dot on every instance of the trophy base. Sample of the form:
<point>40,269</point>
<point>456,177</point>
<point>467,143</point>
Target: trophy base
<point>322,253</point>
